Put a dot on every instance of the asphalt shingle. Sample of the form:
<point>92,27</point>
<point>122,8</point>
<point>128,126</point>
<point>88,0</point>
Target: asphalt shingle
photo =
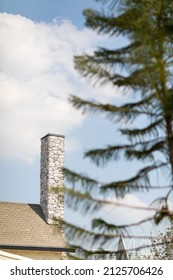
<point>24,225</point>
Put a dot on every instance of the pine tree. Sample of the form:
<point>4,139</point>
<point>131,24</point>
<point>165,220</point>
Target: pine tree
<point>143,68</point>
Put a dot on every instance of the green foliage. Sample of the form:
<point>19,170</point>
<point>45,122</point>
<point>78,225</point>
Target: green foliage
<point>56,189</point>
<point>143,69</point>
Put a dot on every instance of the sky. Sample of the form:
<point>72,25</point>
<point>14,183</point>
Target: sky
<point>38,42</point>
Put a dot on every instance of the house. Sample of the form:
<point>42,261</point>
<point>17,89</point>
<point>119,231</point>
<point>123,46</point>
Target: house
<point>35,230</point>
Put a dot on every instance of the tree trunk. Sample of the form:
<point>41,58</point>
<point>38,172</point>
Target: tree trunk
<point>170,140</point>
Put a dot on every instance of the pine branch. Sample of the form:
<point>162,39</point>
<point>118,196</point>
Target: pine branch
<point>93,66</point>
<point>140,151</point>
<point>108,58</point>
<point>98,238</point>
<point>147,153</point>
<point>100,22</point>
<point>90,233</point>
<point>105,227</point>
<point>84,203</point>
<point>87,203</point>
<point>114,25</point>
<point>120,188</point>
<point>97,244</point>
<point>84,180</point>
<point>86,238</point>
<point>151,130</point>
<point>128,111</point>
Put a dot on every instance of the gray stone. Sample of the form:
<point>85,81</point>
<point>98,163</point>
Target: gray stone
<point>52,162</point>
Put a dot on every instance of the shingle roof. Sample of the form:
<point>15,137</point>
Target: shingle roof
<point>24,225</point>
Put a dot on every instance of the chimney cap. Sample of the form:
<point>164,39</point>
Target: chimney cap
<point>53,134</point>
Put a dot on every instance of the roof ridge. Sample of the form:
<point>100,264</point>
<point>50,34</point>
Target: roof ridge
<point>19,203</point>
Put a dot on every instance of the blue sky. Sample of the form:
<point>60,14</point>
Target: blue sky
<point>39,41</point>
<point>45,10</point>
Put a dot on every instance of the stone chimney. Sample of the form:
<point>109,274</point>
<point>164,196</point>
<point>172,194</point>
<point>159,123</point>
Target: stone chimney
<point>52,178</point>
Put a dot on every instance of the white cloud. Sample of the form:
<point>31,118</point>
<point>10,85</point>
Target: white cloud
<point>36,76</point>
<point>119,215</point>
<point>134,212</point>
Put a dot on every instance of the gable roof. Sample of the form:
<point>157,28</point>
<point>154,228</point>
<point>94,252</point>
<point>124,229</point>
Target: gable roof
<point>24,225</point>
<point>122,254</point>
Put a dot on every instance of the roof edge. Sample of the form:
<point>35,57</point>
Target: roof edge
<point>37,248</point>
<point>52,134</point>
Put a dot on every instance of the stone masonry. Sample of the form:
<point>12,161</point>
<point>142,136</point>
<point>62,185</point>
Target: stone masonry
<point>52,178</point>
